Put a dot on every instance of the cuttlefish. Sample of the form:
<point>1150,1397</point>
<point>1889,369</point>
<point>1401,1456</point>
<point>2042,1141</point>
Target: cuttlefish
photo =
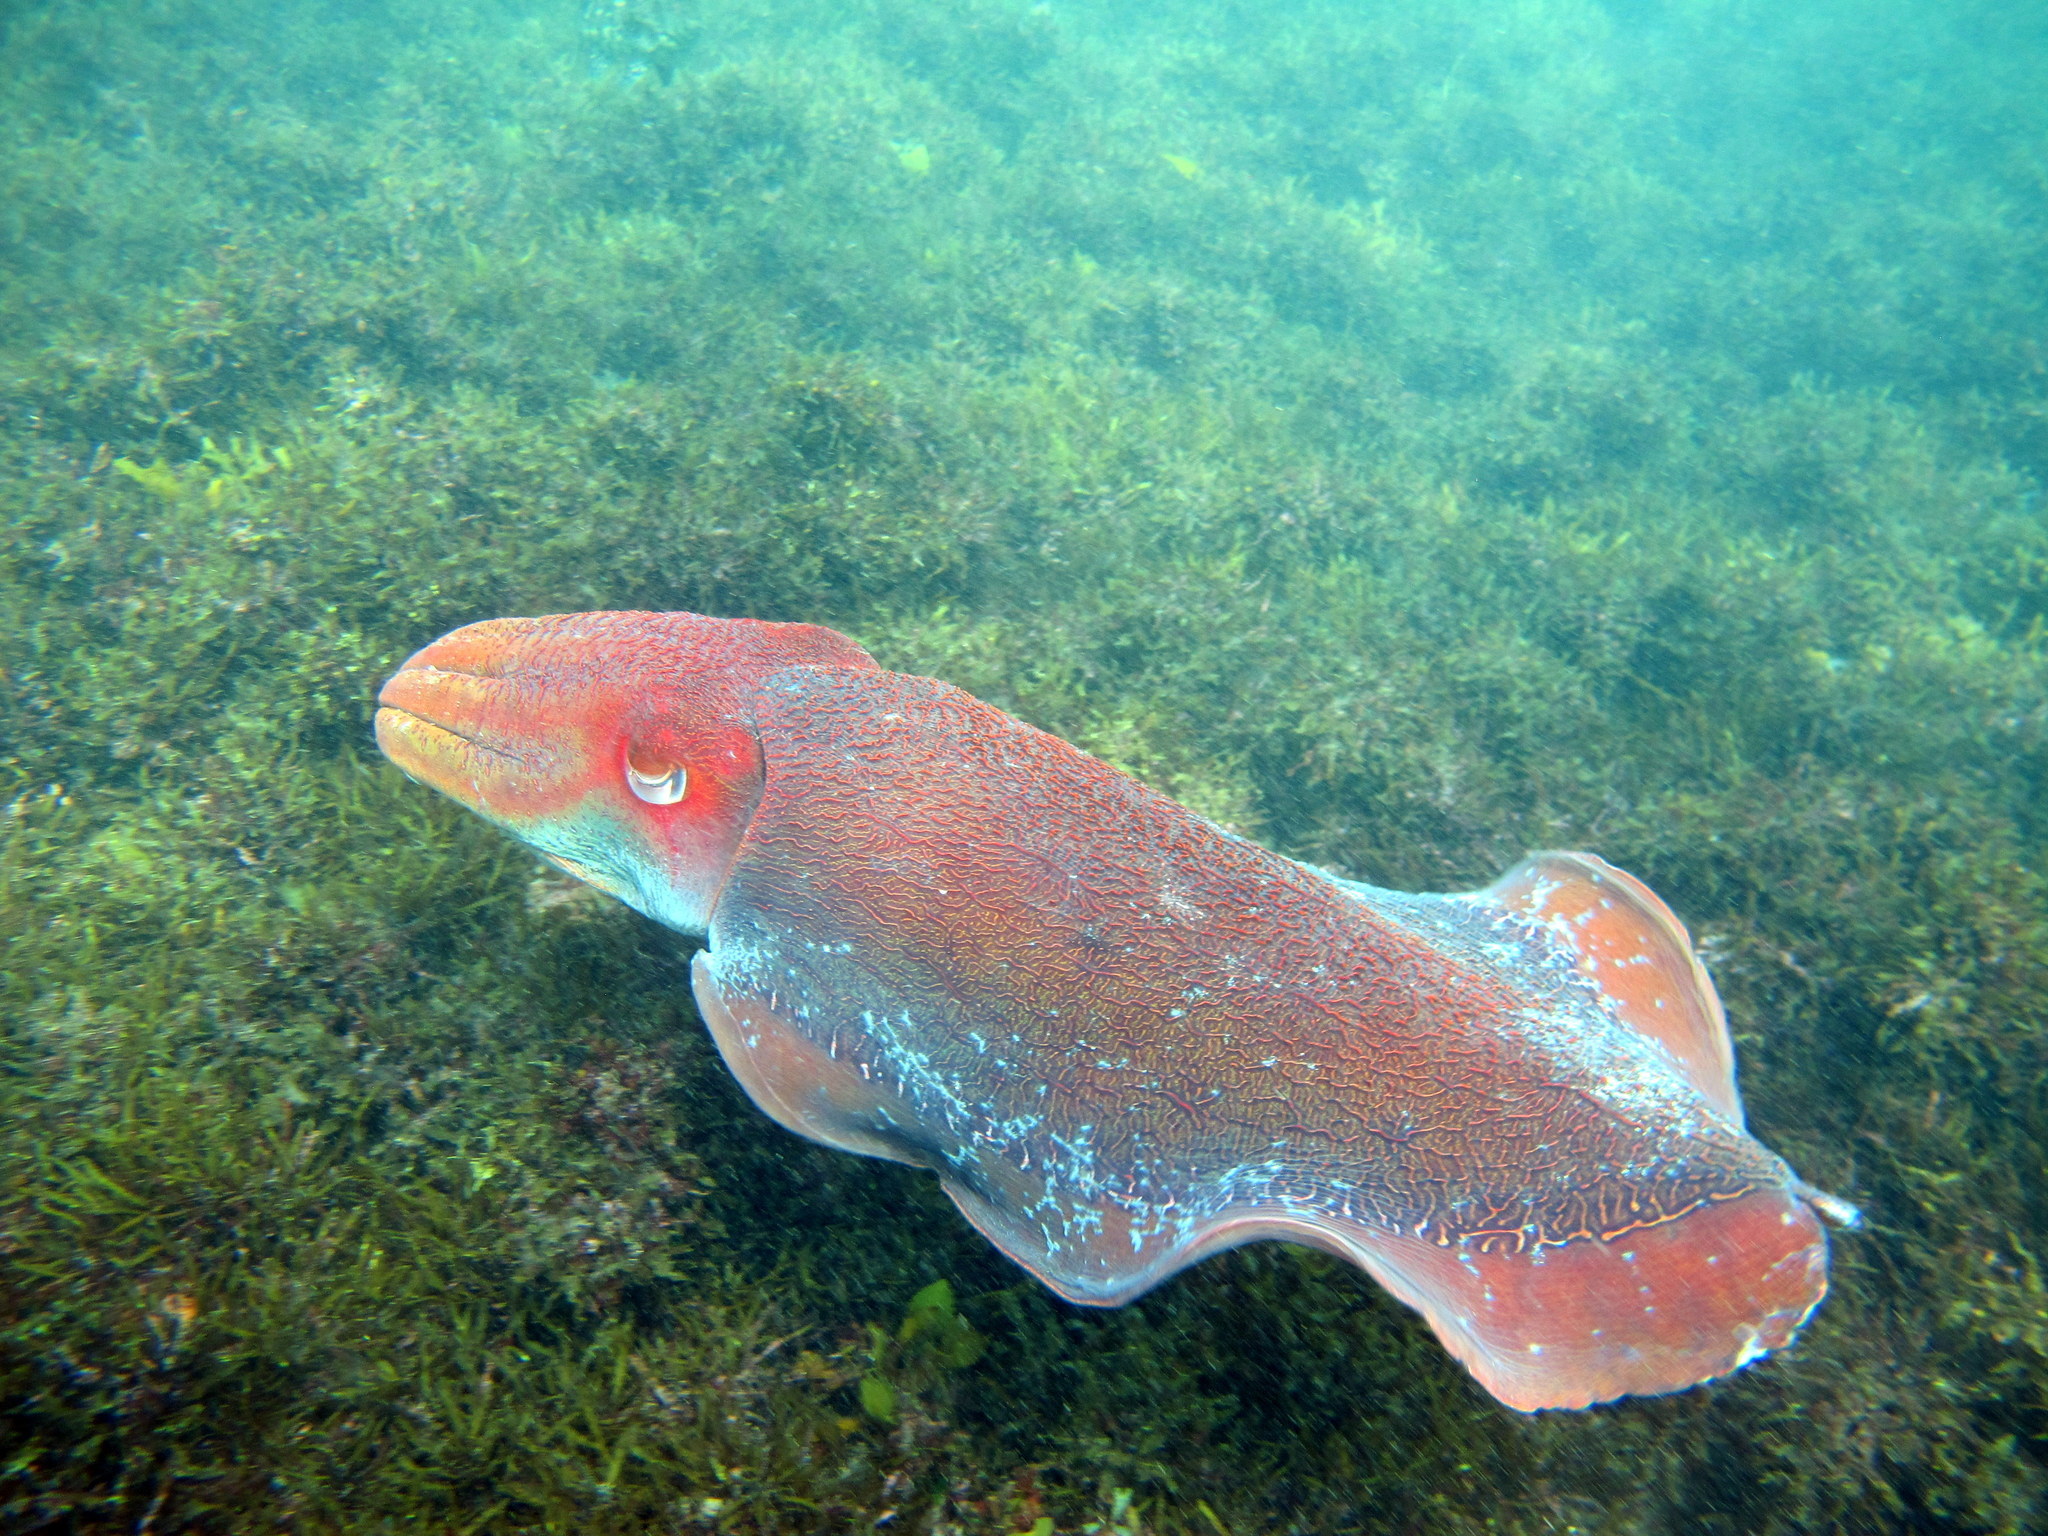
<point>1125,1038</point>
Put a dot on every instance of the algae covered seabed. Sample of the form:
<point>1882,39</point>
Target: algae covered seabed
<point>1408,434</point>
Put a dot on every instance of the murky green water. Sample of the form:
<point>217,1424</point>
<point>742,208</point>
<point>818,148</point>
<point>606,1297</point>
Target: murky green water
<point>1408,435</point>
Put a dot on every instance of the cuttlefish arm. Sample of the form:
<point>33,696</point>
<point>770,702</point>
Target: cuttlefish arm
<point>1125,1039</point>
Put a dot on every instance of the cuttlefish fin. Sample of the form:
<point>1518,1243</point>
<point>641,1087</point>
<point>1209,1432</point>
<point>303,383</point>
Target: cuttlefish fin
<point>1652,1310</point>
<point>1655,1310</point>
<point>1633,947</point>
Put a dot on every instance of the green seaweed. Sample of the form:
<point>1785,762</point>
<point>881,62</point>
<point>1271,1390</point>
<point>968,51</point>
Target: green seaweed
<point>1410,436</point>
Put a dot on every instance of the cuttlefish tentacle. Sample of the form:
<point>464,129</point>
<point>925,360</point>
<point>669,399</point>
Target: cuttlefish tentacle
<point>1125,1038</point>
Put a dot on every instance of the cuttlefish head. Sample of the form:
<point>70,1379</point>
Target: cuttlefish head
<point>618,745</point>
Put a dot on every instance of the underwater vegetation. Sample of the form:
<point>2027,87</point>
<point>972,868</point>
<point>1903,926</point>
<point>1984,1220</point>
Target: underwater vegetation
<point>1408,435</point>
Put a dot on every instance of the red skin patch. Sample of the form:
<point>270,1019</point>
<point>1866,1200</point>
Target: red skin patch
<point>1657,1309</point>
<point>1633,947</point>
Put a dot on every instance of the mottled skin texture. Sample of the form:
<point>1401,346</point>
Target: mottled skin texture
<point>1125,1038</point>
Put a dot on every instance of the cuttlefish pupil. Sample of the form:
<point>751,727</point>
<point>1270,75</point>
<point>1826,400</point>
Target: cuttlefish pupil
<point>1125,1039</point>
<point>658,788</point>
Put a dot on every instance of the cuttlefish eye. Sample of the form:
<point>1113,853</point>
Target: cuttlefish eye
<point>658,788</point>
